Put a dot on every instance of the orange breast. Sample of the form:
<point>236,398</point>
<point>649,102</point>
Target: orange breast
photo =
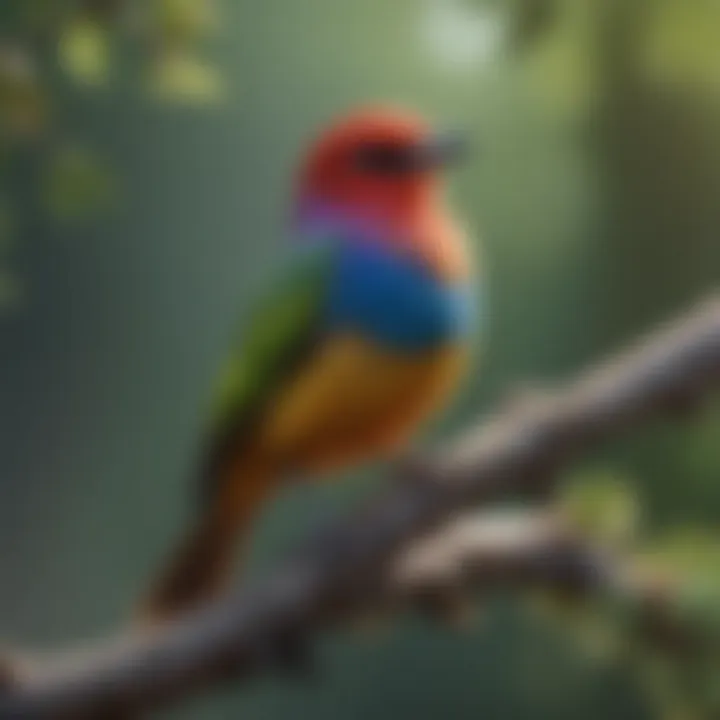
<point>355,401</point>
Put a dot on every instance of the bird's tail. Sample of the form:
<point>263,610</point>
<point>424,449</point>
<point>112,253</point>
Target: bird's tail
<point>200,567</point>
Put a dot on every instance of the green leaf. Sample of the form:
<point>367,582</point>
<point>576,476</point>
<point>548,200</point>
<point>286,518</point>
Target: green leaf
<point>602,505</point>
<point>179,77</point>
<point>83,52</point>
<point>691,559</point>
<point>184,21</point>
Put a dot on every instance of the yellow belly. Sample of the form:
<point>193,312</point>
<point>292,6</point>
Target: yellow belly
<point>356,401</point>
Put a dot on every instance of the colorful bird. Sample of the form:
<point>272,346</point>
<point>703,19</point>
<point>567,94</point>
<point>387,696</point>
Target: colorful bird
<point>362,339</point>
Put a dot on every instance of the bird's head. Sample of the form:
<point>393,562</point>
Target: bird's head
<point>380,165</point>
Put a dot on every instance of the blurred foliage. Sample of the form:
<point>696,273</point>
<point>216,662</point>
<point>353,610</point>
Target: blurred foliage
<point>681,676</point>
<point>681,46</point>
<point>698,452</point>
<point>46,45</point>
<point>84,51</point>
<point>177,76</point>
<point>22,105</point>
<point>660,617</point>
<point>602,505</point>
<point>76,184</point>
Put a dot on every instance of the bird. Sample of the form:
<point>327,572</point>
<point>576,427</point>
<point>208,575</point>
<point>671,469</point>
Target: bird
<point>358,342</point>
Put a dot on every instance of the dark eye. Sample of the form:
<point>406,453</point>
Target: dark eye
<point>385,159</point>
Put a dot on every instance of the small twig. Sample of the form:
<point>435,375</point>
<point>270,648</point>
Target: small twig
<point>345,569</point>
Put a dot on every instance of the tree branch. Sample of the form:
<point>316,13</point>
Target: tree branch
<point>345,569</point>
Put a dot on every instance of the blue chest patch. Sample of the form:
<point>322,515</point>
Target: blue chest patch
<point>395,302</point>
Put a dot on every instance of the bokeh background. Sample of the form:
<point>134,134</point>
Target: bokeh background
<point>145,159</point>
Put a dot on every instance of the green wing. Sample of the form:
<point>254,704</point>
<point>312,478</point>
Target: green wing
<point>282,330</point>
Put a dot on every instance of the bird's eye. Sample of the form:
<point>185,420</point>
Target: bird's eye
<point>385,159</point>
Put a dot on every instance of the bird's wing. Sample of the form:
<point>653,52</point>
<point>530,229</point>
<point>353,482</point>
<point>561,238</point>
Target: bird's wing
<point>283,328</point>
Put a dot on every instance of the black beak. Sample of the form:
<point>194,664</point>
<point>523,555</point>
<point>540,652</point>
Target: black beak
<point>442,150</point>
<point>434,153</point>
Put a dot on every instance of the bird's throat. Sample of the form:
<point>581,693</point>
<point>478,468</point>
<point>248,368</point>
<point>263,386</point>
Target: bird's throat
<point>428,236</point>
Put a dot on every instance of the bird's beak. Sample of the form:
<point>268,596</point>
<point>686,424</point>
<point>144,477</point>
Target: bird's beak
<point>442,150</point>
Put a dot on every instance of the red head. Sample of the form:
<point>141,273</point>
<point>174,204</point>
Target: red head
<point>381,169</point>
<point>380,162</point>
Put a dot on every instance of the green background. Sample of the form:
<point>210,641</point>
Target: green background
<point>593,190</point>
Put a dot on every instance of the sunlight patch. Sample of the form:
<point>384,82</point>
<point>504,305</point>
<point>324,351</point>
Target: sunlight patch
<point>460,36</point>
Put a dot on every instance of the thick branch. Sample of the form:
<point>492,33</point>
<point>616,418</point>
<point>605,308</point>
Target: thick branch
<point>344,569</point>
